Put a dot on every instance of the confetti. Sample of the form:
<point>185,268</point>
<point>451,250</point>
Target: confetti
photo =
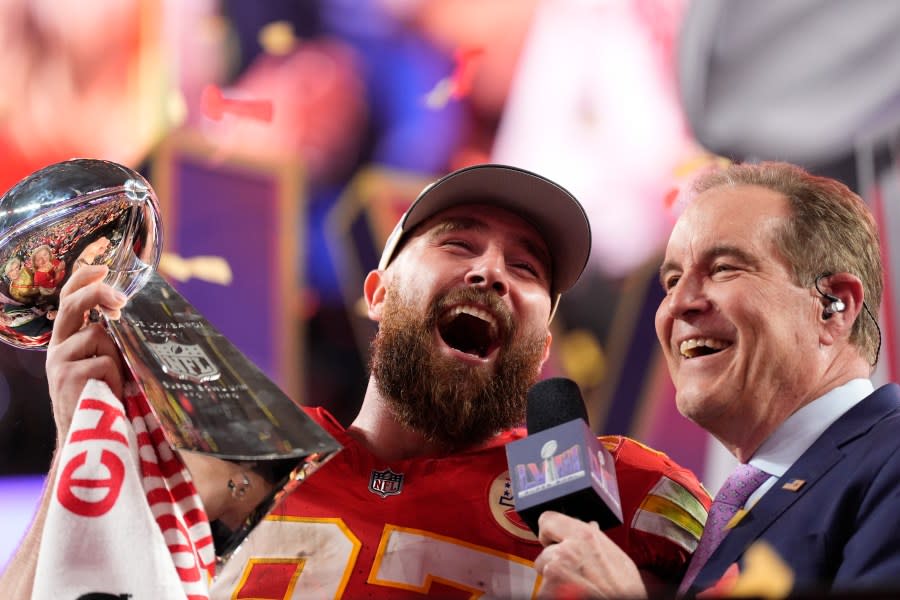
<point>765,574</point>
<point>439,95</point>
<point>277,38</point>
<point>213,269</point>
<point>670,198</point>
<point>464,74</point>
<point>685,173</point>
<point>214,105</point>
<point>459,84</point>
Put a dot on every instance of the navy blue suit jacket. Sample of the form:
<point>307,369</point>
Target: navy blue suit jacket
<point>840,530</point>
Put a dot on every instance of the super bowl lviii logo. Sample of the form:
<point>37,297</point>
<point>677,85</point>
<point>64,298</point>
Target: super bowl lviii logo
<point>551,469</point>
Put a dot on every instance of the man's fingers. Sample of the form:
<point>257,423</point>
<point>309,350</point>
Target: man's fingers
<point>554,527</point>
<point>89,344</point>
<point>581,561</point>
<point>561,578</point>
<point>67,388</point>
<point>89,341</point>
<point>79,296</point>
<point>546,532</point>
<point>540,563</point>
<point>104,368</point>
<point>84,276</point>
<point>564,552</point>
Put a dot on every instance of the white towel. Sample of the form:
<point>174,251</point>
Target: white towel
<point>125,519</point>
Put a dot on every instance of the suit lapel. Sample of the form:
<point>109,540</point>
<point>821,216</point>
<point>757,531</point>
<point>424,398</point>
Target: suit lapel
<point>812,465</point>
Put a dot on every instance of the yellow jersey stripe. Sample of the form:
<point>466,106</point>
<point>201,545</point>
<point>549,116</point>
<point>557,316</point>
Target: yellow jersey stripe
<point>673,513</point>
<point>678,495</point>
<point>659,525</point>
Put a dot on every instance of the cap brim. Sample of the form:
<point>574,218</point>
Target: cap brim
<point>550,208</point>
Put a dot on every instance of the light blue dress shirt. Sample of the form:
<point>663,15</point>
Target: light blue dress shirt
<point>794,437</point>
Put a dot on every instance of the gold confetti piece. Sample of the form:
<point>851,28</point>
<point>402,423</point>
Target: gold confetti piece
<point>277,38</point>
<point>700,161</point>
<point>213,269</point>
<point>765,574</point>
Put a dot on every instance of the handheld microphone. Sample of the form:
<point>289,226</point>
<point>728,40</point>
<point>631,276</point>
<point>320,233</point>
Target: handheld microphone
<point>561,466</point>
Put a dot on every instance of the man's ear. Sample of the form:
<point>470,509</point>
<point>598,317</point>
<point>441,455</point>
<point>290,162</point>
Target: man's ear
<point>842,289</point>
<point>547,344</point>
<point>374,290</point>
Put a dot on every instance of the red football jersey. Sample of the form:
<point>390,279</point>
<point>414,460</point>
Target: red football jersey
<point>363,528</point>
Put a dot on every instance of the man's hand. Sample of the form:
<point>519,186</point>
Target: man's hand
<point>79,348</point>
<point>580,561</point>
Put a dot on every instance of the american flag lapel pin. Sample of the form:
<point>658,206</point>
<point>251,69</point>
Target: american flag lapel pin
<point>793,485</point>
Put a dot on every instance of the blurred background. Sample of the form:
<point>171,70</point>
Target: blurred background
<point>285,137</point>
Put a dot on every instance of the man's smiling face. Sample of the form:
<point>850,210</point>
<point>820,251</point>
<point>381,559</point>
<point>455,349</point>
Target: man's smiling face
<point>739,335</point>
<point>464,323</point>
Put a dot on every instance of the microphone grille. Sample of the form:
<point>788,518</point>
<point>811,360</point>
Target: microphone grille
<point>552,402</point>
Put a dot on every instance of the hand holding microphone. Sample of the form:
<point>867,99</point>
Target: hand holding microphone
<point>580,561</point>
<point>565,489</point>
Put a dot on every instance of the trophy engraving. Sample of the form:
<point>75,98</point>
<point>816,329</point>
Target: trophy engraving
<point>180,359</point>
<point>184,361</point>
<point>211,401</point>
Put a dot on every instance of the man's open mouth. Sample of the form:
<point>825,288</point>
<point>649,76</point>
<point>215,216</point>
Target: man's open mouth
<point>470,329</point>
<point>695,347</point>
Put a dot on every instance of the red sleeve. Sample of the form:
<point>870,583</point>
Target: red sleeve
<point>664,508</point>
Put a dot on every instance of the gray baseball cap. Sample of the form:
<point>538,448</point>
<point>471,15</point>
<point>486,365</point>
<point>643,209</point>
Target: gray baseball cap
<point>547,206</point>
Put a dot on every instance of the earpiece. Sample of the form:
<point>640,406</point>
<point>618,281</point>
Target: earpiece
<point>836,304</point>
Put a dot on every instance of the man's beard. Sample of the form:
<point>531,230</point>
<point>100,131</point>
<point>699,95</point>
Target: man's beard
<point>447,400</point>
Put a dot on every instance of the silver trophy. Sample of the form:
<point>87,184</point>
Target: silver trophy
<point>211,401</point>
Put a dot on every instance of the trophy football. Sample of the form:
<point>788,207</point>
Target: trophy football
<point>211,401</point>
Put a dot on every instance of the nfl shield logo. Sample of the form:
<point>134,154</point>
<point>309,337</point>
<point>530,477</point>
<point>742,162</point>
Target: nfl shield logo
<point>184,361</point>
<point>386,483</point>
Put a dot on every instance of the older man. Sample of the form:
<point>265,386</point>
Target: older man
<point>418,502</point>
<point>773,281</point>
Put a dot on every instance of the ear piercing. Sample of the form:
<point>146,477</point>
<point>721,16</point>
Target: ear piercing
<point>239,489</point>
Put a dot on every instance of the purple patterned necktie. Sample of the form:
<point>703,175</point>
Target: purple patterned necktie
<point>742,482</point>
